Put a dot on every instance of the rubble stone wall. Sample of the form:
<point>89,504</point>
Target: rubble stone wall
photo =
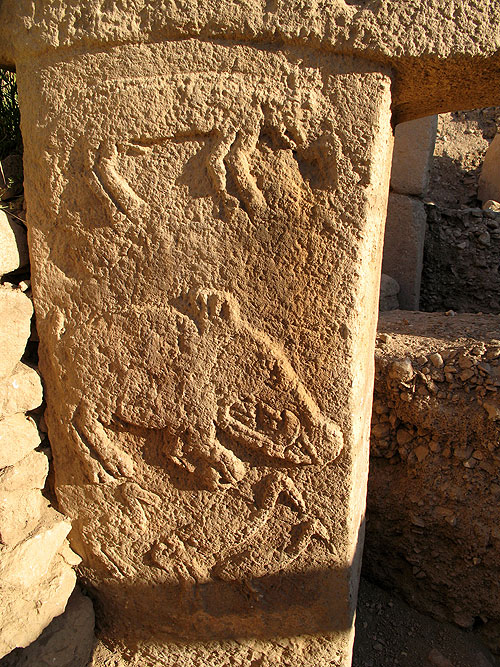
<point>461,260</point>
<point>461,256</point>
<point>434,487</point>
<point>36,562</point>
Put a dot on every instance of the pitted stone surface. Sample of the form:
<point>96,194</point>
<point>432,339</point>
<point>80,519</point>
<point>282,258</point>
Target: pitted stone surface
<point>53,590</point>
<point>444,55</point>
<point>66,642</point>
<point>29,473</point>
<point>15,326</point>
<point>18,437</point>
<point>21,391</point>
<point>206,190</point>
<point>13,245</point>
<point>196,339</point>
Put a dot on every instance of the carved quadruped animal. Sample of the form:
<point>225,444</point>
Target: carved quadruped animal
<point>242,408</point>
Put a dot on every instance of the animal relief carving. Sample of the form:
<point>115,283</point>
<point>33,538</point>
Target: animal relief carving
<point>218,392</point>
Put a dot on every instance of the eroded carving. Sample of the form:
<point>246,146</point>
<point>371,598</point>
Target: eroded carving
<point>202,431</point>
<point>229,157</point>
<point>243,409</point>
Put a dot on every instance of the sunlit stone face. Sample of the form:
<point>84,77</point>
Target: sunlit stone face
<point>212,216</point>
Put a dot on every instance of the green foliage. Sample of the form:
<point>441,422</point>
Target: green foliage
<point>10,133</point>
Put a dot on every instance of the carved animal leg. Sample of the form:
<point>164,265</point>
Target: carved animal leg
<point>114,187</point>
<point>217,169</point>
<point>172,556</point>
<point>248,538</point>
<point>203,443</point>
<point>277,483</point>
<point>306,531</point>
<point>134,496</point>
<point>237,161</point>
<point>115,462</point>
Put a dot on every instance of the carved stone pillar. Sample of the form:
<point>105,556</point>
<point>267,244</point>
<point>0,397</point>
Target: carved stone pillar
<point>206,187</point>
<point>206,225</point>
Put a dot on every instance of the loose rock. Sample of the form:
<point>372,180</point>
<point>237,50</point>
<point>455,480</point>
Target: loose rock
<point>15,326</point>
<point>18,436</point>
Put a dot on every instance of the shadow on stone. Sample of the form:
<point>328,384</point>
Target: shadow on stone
<point>66,642</point>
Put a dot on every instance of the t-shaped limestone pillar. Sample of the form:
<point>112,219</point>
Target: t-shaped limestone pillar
<point>206,188</point>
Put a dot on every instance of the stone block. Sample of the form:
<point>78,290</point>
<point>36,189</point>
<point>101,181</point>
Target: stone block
<point>389,290</point>
<point>16,310</point>
<point>404,247</point>
<point>205,192</point>
<point>29,473</point>
<point>20,512</point>
<point>28,562</point>
<point>411,160</point>
<point>18,436</point>
<point>13,244</point>
<point>198,441</point>
<point>489,180</point>
<point>66,642</point>
<point>461,260</point>
<point>21,391</point>
<point>26,612</point>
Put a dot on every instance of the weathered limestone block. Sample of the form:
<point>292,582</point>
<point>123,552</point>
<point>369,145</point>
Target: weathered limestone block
<point>66,642</point>
<point>389,290</point>
<point>20,512</point>
<point>489,181</point>
<point>411,160</point>
<point>404,247</point>
<point>206,191</point>
<point>444,57</point>
<point>21,391</point>
<point>29,473</point>
<point>18,437</point>
<point>204,429</point>
<point>26,611</point>
<point>15,325</point>
<point>13,245</point>
<point>434,487</point>
<point>29,561</point>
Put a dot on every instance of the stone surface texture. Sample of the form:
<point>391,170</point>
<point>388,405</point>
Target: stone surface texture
<point>36,564</point>
<point>13,244</point>
<point>67,642</point>
<point>209,467</point>
<point>389,290</point>
<point>15,326</point>
<point>445,56</point>
<point>18,437</point>
<point>434,489</point>
<point>21,391</point>
<point>489,181</point>
<point>411,160</point>
<point>206,191</point>
<point>20,512</point>
<point>405,226</point>
<point>461,260</point>
<point>404,246</point>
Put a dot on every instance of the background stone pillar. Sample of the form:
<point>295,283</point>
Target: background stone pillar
<point>206,223</point>
<point>406,217</point>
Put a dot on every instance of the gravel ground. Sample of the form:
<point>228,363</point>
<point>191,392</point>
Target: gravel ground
<point>391,634</point>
